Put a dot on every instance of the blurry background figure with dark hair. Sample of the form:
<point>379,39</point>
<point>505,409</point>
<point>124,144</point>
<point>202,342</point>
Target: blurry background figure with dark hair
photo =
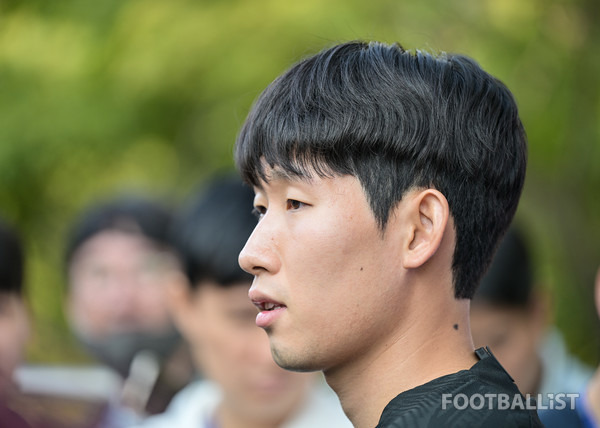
<point>243,387</point>
<point>14,321</point>
<point>118,261</point>
<point>586,412</point>
<point>510,314</point>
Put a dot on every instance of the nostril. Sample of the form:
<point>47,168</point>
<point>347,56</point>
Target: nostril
<point>257,269</point>
<point>249,260</point>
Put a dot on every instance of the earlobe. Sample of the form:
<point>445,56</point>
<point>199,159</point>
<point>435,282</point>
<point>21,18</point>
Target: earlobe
<point>428,218</point>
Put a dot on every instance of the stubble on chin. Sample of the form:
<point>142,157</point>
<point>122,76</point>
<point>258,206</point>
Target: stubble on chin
<point>296,362</point>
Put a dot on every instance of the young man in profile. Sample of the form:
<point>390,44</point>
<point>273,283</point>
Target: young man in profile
<point>384,180</point>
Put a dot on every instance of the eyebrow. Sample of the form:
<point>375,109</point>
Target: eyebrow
<point>278,174</point>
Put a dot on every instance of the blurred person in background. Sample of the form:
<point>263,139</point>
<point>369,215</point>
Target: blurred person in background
<point>510,314</point>
<point>14,322</point>
<point>586,410</point>
<point>243,386</point>
<point>118,261</point>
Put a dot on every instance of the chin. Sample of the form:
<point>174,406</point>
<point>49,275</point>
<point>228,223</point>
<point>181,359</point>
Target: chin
<point>294,361</point>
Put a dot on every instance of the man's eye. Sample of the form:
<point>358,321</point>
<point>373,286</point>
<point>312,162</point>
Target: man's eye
<point>293,204</point>
<point>259,211</point>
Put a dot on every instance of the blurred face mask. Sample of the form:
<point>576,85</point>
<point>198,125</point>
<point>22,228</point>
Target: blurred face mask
<point>118,350</point>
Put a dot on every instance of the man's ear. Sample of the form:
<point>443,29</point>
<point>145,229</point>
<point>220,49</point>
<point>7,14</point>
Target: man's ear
<point>427,217</point>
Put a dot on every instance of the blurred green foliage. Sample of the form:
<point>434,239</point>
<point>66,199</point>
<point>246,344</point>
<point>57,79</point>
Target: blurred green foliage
<point>97,97</point>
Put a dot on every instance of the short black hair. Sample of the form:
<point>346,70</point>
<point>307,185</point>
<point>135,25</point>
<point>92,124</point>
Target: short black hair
<point>509,280</point>
<point>11,261</point>
<point>398,120</point>
<point>212,229</point>
<point>127,213</point>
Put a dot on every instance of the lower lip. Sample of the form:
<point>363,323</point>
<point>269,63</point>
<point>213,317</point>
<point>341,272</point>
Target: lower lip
<point>266,318</point>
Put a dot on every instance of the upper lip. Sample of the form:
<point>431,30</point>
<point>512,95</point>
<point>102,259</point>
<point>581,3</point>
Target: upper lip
<point>262,301</point>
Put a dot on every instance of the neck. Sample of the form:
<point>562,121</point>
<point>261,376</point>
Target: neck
<point>437,344</point>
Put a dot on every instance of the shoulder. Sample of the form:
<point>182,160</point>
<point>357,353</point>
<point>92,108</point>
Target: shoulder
<point>561,418</point>
<point>484,396</point>
<point>576,413</point>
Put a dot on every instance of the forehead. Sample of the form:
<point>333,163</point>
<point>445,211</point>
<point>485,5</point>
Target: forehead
<point>112,243</point>
<point>338,192</point>
<point>298,166</point>
<point>278,175</point>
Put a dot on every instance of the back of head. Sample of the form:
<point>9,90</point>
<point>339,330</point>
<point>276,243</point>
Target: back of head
<point>11,261</point>
<point>398,120</point>
<point>212,230</point>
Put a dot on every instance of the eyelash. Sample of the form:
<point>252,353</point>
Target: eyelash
<point>291,204</point>
<point>259,212</point>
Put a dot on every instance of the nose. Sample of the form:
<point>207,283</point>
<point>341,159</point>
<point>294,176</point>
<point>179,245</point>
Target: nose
<point>259,255</point>
<point>122,295</point>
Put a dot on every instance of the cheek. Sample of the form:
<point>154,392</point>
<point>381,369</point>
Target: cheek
<point>332,283</point>
<point>152,308</point>
<point>335,254</point>
<point>327,242</point>
<point>88,308</point>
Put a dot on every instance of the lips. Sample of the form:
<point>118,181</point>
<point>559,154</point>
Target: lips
<point>269,309</point>
<point>268,306</point>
